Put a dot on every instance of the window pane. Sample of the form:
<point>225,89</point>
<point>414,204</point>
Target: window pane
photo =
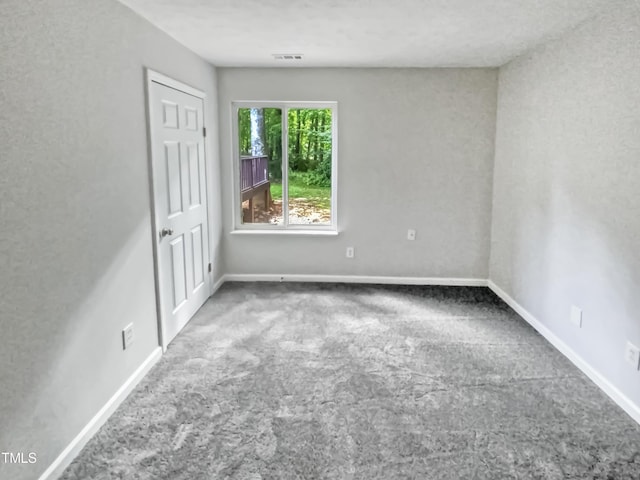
<point>309,176</point>
<point>260,147</point>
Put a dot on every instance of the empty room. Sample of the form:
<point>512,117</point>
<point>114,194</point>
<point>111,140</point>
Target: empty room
<point>273,239</point>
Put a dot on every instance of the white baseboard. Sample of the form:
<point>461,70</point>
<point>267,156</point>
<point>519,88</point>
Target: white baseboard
<point>77,444</point>
<point>632,409</point>
<point>444,281</point>
<point>218,284</point>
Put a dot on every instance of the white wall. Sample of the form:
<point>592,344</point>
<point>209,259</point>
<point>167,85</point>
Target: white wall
<point>415,151</point>
<point>76,241</point>
<point>566,208</point>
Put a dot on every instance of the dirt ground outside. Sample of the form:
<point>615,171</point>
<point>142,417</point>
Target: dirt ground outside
<point>301,212</point>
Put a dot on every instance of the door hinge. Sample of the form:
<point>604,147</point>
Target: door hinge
<point>209,268</point>
<point>204,131</point>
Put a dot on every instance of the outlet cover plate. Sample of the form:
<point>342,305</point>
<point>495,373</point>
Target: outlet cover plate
<point>127,336</point>
<point>632,355</point>
<point>351,252</point>
<point>411,234</point>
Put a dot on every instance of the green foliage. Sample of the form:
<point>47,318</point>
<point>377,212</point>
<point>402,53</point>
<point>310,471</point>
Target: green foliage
<point>244,131</point>
<point>319,196</point>
<point>309,143</point>
<point>273,136</point>
<point>320,176</point>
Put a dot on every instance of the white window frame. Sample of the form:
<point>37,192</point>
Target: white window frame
<point>285,228</point>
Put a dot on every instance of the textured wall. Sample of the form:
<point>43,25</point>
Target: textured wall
<point>415,151</point>
<point>75,246</point>
<point>566,209</point>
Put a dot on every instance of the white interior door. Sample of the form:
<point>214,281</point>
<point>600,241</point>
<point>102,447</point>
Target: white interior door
<point>180,205</point>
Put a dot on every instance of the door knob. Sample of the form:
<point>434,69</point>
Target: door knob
<point>166,231</point>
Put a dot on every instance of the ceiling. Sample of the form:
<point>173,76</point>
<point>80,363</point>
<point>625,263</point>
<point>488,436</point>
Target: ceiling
<point>365,33</point>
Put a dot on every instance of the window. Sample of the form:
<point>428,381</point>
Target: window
<point>285,160</point>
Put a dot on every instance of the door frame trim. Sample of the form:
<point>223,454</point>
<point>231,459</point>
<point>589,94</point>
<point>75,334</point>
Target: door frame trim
<point>152,76</point>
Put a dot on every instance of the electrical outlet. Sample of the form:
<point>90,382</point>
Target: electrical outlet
<point>127,336</point>
<point>632,355</point>
<point>411,234</point>
<point>351,252</point>
<point>576,316</point>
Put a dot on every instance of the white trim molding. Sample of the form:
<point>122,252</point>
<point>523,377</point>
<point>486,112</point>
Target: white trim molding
<point>77,444</point>
<point>153,76</point>
<point>282,231</point>
<point>442,281</point>
<point>217,285</point>
<point>624,402</point>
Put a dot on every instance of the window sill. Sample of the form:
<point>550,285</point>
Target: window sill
<point>301,232</point>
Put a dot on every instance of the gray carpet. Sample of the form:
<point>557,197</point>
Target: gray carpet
<point>312,381</point>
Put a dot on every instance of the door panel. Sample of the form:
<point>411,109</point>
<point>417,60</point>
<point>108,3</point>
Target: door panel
<point>194,175</point>
<point>172,153</point>
<point>179,180</point>
<point>178,272</point>
<point>196,248</point>
<point>169,114</point>
<point>191,119</point>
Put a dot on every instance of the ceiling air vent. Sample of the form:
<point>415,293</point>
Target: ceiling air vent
<point>287,56</point>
